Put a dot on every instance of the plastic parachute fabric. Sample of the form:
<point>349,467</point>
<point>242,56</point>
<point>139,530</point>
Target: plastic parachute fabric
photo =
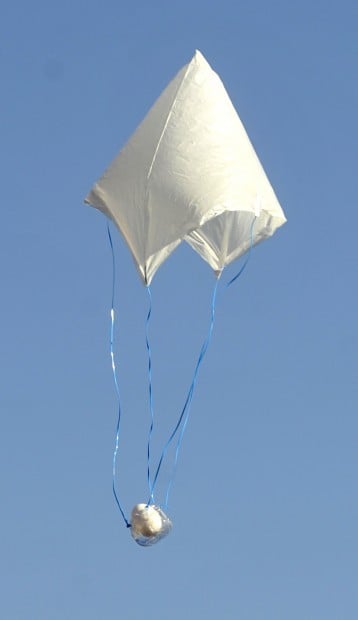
<point>189,172</point>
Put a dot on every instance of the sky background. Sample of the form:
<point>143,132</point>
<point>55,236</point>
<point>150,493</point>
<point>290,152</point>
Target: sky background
<point>265,502</point>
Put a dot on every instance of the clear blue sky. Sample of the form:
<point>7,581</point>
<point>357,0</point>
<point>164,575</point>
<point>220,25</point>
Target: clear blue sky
<point>265,503</point>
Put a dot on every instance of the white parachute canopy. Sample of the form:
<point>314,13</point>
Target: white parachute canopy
<point>188,172</point>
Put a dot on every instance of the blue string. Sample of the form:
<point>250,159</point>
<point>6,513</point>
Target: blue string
<point>115,383</point>
<point>186,409</point>
<point>248,254</point>
<point>189,397</point>
<point>151,499</point>
<point>187,405</point>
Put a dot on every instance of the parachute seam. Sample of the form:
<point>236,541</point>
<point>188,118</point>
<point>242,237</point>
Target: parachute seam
<point>166,122</point>
<point>155,157</point>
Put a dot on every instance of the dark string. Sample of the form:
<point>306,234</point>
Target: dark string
<point>150,486</point>
<point>248,254</point>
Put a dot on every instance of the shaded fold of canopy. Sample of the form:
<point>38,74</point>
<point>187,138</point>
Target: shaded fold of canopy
<point>229,235</point>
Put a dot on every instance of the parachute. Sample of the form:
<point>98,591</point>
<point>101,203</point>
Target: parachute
<point>188,173</point>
